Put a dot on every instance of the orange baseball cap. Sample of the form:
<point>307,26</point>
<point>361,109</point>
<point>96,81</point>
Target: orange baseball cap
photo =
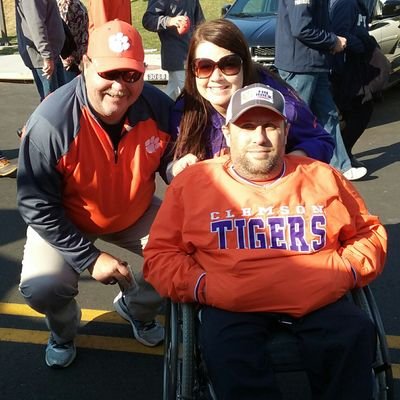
<point>116,45</point>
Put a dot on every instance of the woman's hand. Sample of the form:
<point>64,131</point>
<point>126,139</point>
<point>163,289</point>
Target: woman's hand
<point>179,165</point>
<point>298,153</point>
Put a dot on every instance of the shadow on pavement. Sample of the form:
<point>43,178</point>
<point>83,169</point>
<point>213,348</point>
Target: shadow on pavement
<point>380,157</point>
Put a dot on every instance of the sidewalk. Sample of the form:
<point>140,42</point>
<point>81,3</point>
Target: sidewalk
<point>13,69</point>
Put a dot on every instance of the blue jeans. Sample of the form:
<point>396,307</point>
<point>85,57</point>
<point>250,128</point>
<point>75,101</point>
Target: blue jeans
<point>46,86</point>
<point>314,88</point>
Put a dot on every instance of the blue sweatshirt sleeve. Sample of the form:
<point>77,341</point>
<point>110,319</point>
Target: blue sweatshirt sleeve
<point>305,133</point>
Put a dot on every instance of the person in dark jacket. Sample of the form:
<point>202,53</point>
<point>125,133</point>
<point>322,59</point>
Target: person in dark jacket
<point>41,37</point>
<point>350,70</point>
<point>174,21</point>
<point>87,168</point>
<point>304,44</point>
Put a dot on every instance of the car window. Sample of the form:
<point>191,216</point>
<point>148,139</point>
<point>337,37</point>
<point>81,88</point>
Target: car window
<point>254,8</point>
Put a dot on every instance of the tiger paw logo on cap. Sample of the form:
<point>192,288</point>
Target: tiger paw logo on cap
<point>116,45</point>
<point>118,42</point>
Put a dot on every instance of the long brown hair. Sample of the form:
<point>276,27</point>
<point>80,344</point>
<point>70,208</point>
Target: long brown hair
<point>194,126</point>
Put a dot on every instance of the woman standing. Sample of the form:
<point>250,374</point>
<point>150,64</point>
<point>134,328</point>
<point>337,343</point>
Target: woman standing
<point>75,16</point>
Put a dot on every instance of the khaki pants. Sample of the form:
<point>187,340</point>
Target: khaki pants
<point>49,285</point>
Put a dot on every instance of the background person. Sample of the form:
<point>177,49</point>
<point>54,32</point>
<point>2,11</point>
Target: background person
<point>41,37</point>
<point>75,15</point>
<point>262,233</point>
<point>304,43</point>
<point>174,21</point>
<point>219,63</point>
<point>87,168</point>
<point>349,75</point>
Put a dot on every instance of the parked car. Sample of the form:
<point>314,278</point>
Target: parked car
<point>257,20</point>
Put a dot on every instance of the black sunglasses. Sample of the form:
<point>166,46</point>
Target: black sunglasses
<point>126,76</point>
<point>228,65</point>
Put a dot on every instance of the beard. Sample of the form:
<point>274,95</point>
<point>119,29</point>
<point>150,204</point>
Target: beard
<point>259,169</point>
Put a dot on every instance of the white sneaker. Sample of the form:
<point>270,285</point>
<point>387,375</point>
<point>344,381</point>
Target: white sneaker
<point>6,167</point>
<point>355,173</point>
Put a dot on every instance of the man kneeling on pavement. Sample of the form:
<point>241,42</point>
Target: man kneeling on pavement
<point>87,168</point>
<point>262,234</point>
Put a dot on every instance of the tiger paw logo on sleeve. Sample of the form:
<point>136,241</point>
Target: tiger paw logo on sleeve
<point>152,144</point>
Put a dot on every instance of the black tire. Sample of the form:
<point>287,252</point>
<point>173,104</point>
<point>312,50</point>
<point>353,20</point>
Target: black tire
<point>170,352</point>
<point>382,368</point>
<point>188,351</point>
<point>179,352</point>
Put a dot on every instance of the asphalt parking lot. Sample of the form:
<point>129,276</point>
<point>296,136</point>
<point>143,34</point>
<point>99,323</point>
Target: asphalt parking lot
<point>109,362</point>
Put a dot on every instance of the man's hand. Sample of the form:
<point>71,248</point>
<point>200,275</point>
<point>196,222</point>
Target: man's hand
<point>68,62</point>
<point>48,68</point>
<point>340,45</point>
<point>110,270</point>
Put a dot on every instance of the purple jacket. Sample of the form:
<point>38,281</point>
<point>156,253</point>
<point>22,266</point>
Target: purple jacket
<point>305,133</point>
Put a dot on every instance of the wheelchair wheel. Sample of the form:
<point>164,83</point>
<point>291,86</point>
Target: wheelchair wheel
<point>188,351</point>
<point>382,368</point>
<point>179,352</point>
<point>170,352</point>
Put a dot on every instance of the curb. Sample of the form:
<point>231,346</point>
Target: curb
<point>12,69</point>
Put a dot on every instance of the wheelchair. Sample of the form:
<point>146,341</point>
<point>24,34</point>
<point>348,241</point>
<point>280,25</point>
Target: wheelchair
<point>185,376</point>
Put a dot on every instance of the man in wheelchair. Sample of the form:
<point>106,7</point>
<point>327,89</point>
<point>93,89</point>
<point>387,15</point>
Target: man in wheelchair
<point>260,234</point>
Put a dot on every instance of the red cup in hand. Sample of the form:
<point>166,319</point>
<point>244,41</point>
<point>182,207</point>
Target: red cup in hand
<point>184,27</point>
